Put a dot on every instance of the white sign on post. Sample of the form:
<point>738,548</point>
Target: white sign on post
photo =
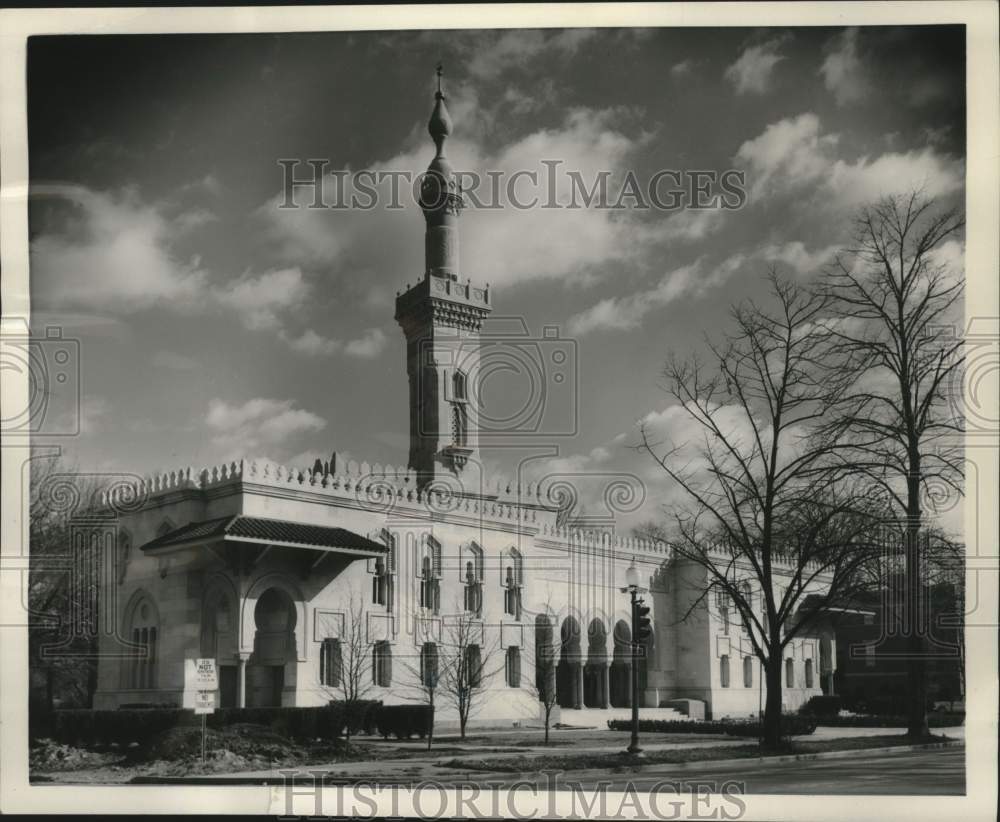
<point>204,702</point>
<point>202,677</point>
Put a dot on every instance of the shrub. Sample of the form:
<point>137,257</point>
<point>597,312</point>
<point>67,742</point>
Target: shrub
<point>938,719</point>
<point>87,728</point>
<point>823,706</point>
<point>362,714</point>
<point>403,721</point>
<point>791,724</point>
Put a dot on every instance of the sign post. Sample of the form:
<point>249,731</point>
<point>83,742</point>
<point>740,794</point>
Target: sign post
<point>203,678</point>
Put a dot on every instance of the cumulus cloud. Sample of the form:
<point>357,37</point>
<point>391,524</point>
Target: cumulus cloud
<point>370,345</point>
<point>259,423</point>
<point>111,250</point>
<point>843,70</point>
<point>798,258</point>
<point>625,313</point>
<point>502,245</point>
<point>115,252</point>
<point>260,299</point>
<point>793,155</point>
<point>518,46</point>
<point>751,73</point>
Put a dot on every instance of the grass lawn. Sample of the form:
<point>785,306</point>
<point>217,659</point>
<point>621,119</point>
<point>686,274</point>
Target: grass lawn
<point>616,761</point>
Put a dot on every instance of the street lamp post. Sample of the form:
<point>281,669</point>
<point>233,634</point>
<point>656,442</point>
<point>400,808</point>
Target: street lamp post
<point>639,624</point>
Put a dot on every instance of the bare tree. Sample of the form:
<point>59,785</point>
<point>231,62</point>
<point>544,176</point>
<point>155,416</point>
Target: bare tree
<point>64,661</point>
<point>465,665</point>
<point>425,677</point>
<point>894,300</point>
<point>763,512</point>
<point>355,679</point>
<point>545,658</point>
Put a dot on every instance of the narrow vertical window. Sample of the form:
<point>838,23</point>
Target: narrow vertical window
<point>724,670</point>
<point>748,672</point>
<point>514,667</point>
<point>473,666</point>
<point>809,673</point>
<point>789,673</point>
<point>330,663</point>
<point>429,665</point>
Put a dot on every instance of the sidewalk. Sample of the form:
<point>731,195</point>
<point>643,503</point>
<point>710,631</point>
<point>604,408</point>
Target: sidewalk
<point>429,768</point>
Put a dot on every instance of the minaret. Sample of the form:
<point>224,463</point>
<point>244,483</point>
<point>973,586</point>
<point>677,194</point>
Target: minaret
<point>441,317</point>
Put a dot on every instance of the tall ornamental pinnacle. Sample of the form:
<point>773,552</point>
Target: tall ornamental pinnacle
<point>441,317</point>
<point>441,197</point>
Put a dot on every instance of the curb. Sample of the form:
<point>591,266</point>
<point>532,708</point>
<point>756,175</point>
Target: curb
<point>683,766</point>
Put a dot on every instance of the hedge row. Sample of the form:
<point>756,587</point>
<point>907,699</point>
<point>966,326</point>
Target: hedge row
<point>84,727</point>
<point>823,706</point>
<point>403,721</point>
<point>939,719</point>
<point>791,724</point>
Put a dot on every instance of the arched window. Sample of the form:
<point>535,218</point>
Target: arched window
<point>330,663</point>
<point>143,631</point>
<point>472,577</point>
<point>382,664</point>
<point>458,385</point>
<point>809,673</point>
<point>722,604</point>
<point>430,575</point>
<point>473,666</point>
<point>724,670</point>
<point>512,581</point>
<point>429,665</point>
<point>789,673</point>
<point>513,667</point>
<point>748,672</point>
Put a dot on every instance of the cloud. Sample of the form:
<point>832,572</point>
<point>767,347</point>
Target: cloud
<point>626,313</point>
<point>694,280</point>
<point>516,47</point>
<point>751,73</point>
<point>682,69</point>
<point>368,346</point>
<point>258,300</point>
<point>843,70</point>
<point>110,251</point>
<point>173,361</point>
<point>240,430</point>
<point>795,255</point>
<point>788,152</point>
<point>500,245</point>
<point>114,252</point>
<point>793,155</point>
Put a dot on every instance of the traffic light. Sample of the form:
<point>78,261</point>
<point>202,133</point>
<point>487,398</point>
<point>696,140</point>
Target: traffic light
<point>643,627</point>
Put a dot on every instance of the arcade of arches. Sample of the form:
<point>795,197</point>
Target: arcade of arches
<point>589,679</point>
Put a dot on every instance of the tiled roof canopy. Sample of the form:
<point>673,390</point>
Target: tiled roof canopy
<point>275,532</point>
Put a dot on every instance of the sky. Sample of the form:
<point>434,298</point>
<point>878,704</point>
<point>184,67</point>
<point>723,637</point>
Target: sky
<point>214,325</point>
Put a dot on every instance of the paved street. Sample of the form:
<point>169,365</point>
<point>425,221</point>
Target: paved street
<point>929,772</point>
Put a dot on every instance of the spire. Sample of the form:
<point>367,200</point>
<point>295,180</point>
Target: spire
<point>440,122</point>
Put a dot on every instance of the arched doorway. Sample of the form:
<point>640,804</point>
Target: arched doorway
<point>595,690</point>
<point>273,648</point>
<point>621,685</point>
<point>546,655</point>
<point>569,671</point>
